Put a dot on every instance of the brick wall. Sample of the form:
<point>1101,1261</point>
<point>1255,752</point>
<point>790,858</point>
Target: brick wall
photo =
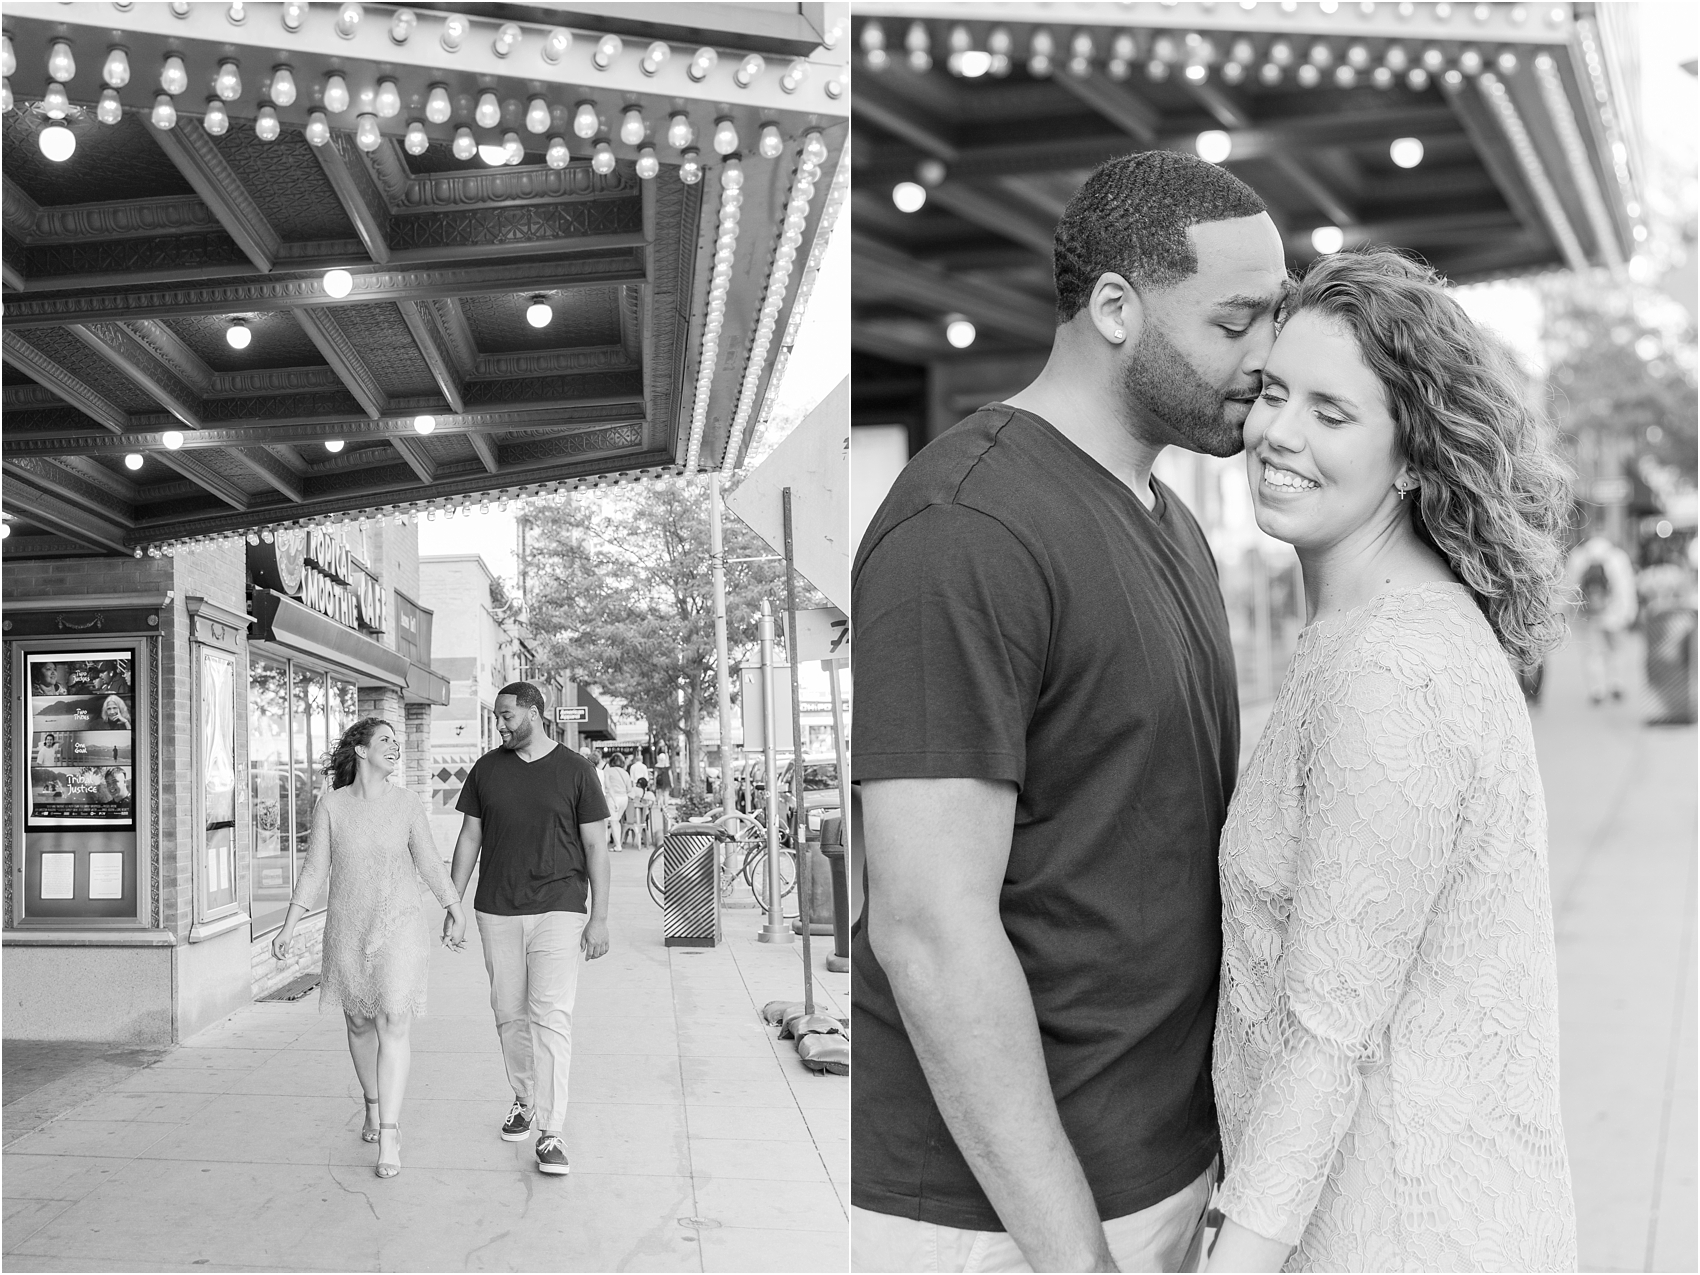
<point>416,749</point>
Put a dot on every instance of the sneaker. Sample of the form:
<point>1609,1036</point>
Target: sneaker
<point>518,1124</point>
<point>551,1155</point>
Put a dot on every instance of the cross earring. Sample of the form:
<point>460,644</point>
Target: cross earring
<point>1401,491</point>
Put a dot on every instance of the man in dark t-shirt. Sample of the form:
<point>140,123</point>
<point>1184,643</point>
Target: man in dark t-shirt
<point>1047,735</point>
<point>534,824</point>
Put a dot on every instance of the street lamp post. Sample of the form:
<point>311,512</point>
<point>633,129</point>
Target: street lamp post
<point>723,670</point>
<point>775,931</point>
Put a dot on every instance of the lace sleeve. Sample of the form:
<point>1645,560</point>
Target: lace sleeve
<point>309,889</point>
<point>1382,798</point>
<point>427,860</point>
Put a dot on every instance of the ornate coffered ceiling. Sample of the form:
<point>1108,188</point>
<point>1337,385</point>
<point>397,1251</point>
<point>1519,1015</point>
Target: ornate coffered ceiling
<point>128,264</point>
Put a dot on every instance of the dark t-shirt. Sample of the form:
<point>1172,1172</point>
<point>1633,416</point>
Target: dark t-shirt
<point>533,858</point>
<point>1021,616</point>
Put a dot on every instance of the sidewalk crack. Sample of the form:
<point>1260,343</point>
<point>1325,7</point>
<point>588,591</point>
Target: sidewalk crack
<point>350,1190</point>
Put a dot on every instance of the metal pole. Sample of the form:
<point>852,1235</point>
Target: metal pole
<point>723,667</point>
<point>775,931</point>
<point>800,829</point>
<point>841,744</point>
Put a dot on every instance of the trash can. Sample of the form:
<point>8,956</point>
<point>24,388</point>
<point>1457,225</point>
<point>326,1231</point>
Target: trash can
<point>832,846</point>
<point>690,878</point>
<point>1670,666</point>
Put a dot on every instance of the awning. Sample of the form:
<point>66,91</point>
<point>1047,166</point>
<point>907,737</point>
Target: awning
<point>600,723</point>
<point>279,619</point>
<point>425,686</point>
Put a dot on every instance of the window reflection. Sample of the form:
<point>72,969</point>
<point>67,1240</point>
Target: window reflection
<point>268,768</point>
<point>309,753</point>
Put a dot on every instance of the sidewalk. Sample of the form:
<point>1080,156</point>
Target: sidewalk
<point>1622,837</point>
<point>698,1143</point>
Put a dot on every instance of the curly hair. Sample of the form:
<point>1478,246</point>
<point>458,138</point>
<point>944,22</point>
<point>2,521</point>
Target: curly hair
<point>343,764</point>
<point>1130,218</point>
<point>1494,494</point>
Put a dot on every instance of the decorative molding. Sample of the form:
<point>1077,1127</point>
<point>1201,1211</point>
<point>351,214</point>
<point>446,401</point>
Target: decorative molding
<point>18,212</point>
<point>422,324</point>
<point>94,492</point>
<point>18,397</point>
<point>90,471</point>
<point>164,345</point>
<point>114,343</point>
<point>307,292</point>
<point>389,170</point>
<point>75,391</point>
<point>457,334</point>
<point>584,387</point>
<point>344,359</point>
<point>678,215</point>
<point>32,496</point>
<point>17,545</point>
<point>506,186</point>
<point>219,188</point>
<point>277,473</point>
<point>357,192</point>
<point>504,227</point>
<point>155,762</point>
<point>205,476</point>
<point>417,456</point>
<point>631,322</point>
<point>485,450</point>
<point>492,367</point>
<point>98,263</point>
<point>276,380</point>
<point>133,219</point>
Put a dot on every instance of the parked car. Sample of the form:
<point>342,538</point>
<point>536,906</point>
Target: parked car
<point>820,791</point>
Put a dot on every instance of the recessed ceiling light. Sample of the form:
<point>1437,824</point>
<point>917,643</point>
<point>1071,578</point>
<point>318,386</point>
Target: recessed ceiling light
<point>538,313</point>
<point>424,424</point>
<point>333,445</point>
<point>339,283</point>
<point>133,461</point>
<point>238,335</point>
<point>173,439</point>
<point>58,143</point>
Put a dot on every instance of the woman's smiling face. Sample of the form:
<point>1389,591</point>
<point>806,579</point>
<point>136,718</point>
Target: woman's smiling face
<point>1320,443</point>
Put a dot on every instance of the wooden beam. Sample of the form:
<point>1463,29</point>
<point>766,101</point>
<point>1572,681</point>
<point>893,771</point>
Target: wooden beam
<point>345,360</point>
<point>418,459</point>
<point>308,293</point>
<point>485,450</point>
<point>356,192</point>
<point>63,382</point>
<point>219,188</point>
<point>434,349</point>
<point>883,271</point>
<point>1115,102</point>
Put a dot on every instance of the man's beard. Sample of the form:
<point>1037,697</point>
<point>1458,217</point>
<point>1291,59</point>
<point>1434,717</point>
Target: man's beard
<point>517,738</point>
<point>1161,382</point>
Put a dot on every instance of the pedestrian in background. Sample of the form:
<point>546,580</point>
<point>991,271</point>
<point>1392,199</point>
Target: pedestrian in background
<point>1602,576</point>
<point>535,824</point>
<point>617,790</point>
<point>372,838</point>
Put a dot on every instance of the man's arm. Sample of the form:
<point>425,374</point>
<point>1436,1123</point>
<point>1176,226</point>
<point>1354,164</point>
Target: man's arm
<point>467,845</point>
<point>937,851</point>
<point>594,838</point>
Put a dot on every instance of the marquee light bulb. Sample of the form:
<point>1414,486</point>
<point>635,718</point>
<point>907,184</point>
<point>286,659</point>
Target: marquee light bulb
<point>54,103</point>
<point>556,44</point>
<point>291,16</point>
<point>538,313</point>
<point>798,71</point>
<point>585,123</point>
<point>336,94</point>
<point>654,57</point>
<point>909,196</point>
<point>438,108</point>
<point>679,131</point>
<point>647,165</point>
<point>424,424</point>
<point>338,283</point>
<point>814,147</point>
<point>603,160</point>
<point>172,438</point>
<point>1214,146</point>
<point>216,121</point>
<point>771,142</point>
<point>702,62</point>
<point>489,111</point>
<point>266,127</point>
<point>387,101</point>
<point>61,65</point>
<point>109,111</point>
<point>283,86</point>
<point>57,142</point>
<point>416,142</point>
<point>237,334</point>
<point>537,116</point>
<point>465,144</point>
<point>173,78</point>
<point>748,69</point>
<point>631,126</point>
<point>8,59</point>
<point>366,135</point>
<point>348,21</point>
<point>402,22</point>
<point>513,149</point>
<point>725,136</point>
<point>318,130</point>
<point>164,114</point>
<point>455,28</point>
<point>608,48</point>
<point>557,155</point>
<point>116,71</point>
<point>228,82</point>
<point>1327,239</point>
<point>690,167</point>
<point>960,332</point>
<point>507,39</point>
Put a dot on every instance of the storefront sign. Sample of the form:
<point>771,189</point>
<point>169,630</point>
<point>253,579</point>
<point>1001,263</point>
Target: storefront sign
<point>566,713</point>
<point>412,629</point>
<point>82,740</point>
<point>318,568</point>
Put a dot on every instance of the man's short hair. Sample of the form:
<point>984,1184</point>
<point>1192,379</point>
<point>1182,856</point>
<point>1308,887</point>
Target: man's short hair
<point>526,696</point>
<point>1130,218</point>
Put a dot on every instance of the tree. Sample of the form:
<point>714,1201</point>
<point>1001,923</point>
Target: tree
<point>620,592</point>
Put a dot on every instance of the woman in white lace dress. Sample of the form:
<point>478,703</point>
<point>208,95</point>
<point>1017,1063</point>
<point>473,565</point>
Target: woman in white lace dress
<point>374,840</point>
<point>1386,1054</point>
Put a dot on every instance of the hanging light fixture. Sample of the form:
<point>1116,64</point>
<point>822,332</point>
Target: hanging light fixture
<point>489,111</point>
<point>338,283</point>
<point>725,136</point>
<point>494,154</point>
<point>333,445</point>
<point>603,160</point>
<point>173,78</point>
<point>8,57</point>
<point>238,335</point>
<point>336,93</point>
<point>283,86</point>
<point>318,130</point>
<point>54,102</point>
<point>109,110</point>
<point>416,142</point>
<point>585,123</point>
<point>216,121</point>
<point>134,461</point>
<point>57,142</point>
<point>116,70</point>
<point>465,144</point>
<point>61,65</point>
<point>679,131</point>
<point>164,113</point>
<point>438,108</point>
<point>647,165</point>
<point>557,155</point>
<point>538,313</point>
<point>514,148</point>
<point>771,142</point>
<point>228,82</point>
<point>690,167</point>
<point>537,116</point>
<point>424,424</point>
<point>631,126</point>
<point>172,438</point>
<point>556,44</point>
<point>266,126</point>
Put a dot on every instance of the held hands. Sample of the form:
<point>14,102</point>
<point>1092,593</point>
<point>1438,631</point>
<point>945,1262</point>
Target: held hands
<point>594,941</point>
<point>454,929</point>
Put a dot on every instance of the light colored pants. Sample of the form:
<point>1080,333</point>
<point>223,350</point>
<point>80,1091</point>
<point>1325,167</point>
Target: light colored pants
<point>1168,1236</point>
<point>1602,660</point>
<point>533,965</point>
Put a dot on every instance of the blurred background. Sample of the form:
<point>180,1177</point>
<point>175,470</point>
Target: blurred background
<point>1542,157</point>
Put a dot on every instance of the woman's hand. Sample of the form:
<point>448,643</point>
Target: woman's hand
<point>281,943</point>
<point>454,928</point>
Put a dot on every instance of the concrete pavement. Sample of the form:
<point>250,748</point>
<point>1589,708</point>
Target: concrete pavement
<point>698,1143</point>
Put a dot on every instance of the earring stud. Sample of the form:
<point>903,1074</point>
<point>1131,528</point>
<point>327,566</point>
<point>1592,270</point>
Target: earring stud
<point>1118,335</point>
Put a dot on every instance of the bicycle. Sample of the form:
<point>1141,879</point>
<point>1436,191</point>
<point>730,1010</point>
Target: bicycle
<point>741,854</point>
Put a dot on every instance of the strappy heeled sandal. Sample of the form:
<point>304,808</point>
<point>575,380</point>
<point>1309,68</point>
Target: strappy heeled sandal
<point>369,1131</point>
<point>386,1169</point>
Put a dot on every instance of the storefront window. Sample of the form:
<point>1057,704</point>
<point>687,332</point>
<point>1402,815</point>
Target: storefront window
<point>268,767</point>
<point>218,760</point>
<point>345,708</point>
<point>309,753</point>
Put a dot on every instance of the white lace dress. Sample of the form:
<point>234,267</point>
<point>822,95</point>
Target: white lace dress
<point>377,943</point>
<point>1386,1055</point>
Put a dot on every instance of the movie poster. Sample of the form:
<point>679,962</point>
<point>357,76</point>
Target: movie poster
<point>82,741</point>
